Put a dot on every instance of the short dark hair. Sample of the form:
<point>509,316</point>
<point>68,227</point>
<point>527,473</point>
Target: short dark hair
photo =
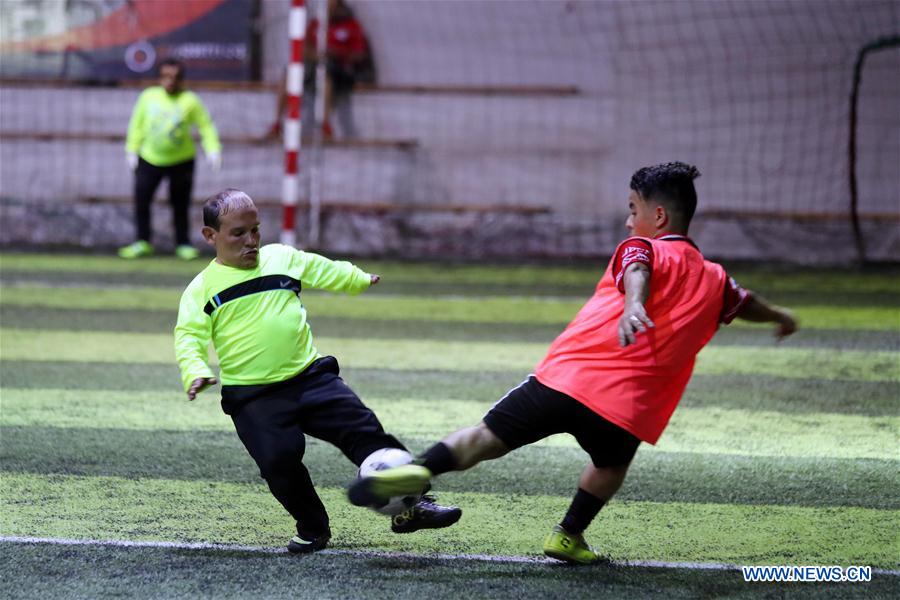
<point>670,184</point>
<point>173,62</point>
<point>219,204</point>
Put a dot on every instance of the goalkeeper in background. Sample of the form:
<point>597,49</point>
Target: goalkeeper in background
<point>159,145</point>
<point>275,386</point>
<point>613,378</point>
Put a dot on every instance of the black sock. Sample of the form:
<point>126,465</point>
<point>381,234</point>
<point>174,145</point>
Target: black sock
<point>437,459</point>
<point>584,508</point>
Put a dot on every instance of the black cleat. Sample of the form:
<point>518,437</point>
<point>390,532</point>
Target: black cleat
<point>298,545</point>
<point>425,514</point>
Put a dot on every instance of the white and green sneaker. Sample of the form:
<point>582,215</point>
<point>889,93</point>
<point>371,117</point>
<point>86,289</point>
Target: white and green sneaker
<point>138,249</point>
<point>186,252</point>
<point>562,545</point>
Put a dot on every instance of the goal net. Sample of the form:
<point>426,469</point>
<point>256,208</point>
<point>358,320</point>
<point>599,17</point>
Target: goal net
<point>493,128</point>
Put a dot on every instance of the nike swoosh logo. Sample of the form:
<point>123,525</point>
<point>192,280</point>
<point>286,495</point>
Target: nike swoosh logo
<point>285,283</point>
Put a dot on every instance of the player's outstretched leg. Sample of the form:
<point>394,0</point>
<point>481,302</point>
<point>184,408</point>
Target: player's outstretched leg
<point>425,514</point>
<point>378,488</point>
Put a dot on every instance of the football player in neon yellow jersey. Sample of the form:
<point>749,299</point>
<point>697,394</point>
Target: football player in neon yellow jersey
<point>160,145</point>
<point>275,385</point>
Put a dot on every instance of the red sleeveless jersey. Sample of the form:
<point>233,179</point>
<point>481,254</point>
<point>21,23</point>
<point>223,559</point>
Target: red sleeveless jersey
<point>638,387</point>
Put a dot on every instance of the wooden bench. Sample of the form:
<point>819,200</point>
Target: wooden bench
<point>261,86</point>
<point>400,144</point>
<point>375,208</point>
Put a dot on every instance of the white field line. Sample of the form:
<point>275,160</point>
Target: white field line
<point>374,554</point>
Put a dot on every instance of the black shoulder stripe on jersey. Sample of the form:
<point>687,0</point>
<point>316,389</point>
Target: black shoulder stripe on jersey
<point>266,283</point>
<point>673,237</point>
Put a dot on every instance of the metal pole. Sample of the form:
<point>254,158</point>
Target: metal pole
<point>294,88</point>
<point>316,173</point>
<point>879,44</point>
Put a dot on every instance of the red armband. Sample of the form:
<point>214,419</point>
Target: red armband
<point>734,300</point>
<point>632,250</point>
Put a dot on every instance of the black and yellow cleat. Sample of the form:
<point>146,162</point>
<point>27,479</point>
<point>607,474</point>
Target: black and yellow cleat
<point>562,545</point>
<point>425,514</point>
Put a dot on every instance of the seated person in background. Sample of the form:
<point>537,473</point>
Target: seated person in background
<point>348,61</point>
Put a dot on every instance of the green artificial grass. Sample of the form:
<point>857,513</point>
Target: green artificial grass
<point>783,361</point>
<point>162,321</point>
<point>708,430</point>
<point>156,509</point>
<point>552,469</point>
<point>59,572</point>
<point>779,453</point>
<point>838,297</point>
<point>405,271</point>
<point>587,273</point>
<point>751,391</point>
<point>522,310</point>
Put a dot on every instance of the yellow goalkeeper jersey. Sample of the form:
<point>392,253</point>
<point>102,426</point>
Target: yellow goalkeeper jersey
<point>160,127</point>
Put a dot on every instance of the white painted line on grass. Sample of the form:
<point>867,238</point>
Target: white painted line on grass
<point>654,564</point>
<point>138,544</point>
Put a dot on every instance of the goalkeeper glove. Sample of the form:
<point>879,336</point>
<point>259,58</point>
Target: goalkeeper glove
<point>215,161</point>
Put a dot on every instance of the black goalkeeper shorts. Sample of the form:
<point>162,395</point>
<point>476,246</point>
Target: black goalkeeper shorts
<point>533,411</point>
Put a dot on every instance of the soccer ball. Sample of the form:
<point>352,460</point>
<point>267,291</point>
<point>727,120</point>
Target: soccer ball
<point>385,459</point>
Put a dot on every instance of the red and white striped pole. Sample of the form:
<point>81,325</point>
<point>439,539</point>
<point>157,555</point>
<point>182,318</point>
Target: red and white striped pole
<point>294,88</point>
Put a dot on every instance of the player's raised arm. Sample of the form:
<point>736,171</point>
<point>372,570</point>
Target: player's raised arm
<point>322,273</point>
<point>758,310</point>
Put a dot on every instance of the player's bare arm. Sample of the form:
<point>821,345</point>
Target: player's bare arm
<point>373,279</point>
<point>758,310</point>
<point>634,318</point>
<point>200,384</point>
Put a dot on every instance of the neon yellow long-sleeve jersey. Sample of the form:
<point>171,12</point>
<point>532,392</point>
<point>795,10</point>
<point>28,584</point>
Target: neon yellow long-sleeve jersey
<point>254,317</point>
<point>160,127</point>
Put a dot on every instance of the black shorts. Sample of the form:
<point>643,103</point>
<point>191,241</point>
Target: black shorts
<point>533,411</point>
<point>316,402</point>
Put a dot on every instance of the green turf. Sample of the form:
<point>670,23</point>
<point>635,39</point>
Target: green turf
<point>159,321</point>
<point>390,286</point>
<point>783,361</point>
<point>587,273</point>
<point>408,272</point>
<point>157,509</point>
<point>47,571</point>
<point>707,430</point>
<point>526,311</point>
<point>779,453</point>
<point>386,307</point>
<point>840,297</point>
<point>541,469</point>
<point>784,394</point>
